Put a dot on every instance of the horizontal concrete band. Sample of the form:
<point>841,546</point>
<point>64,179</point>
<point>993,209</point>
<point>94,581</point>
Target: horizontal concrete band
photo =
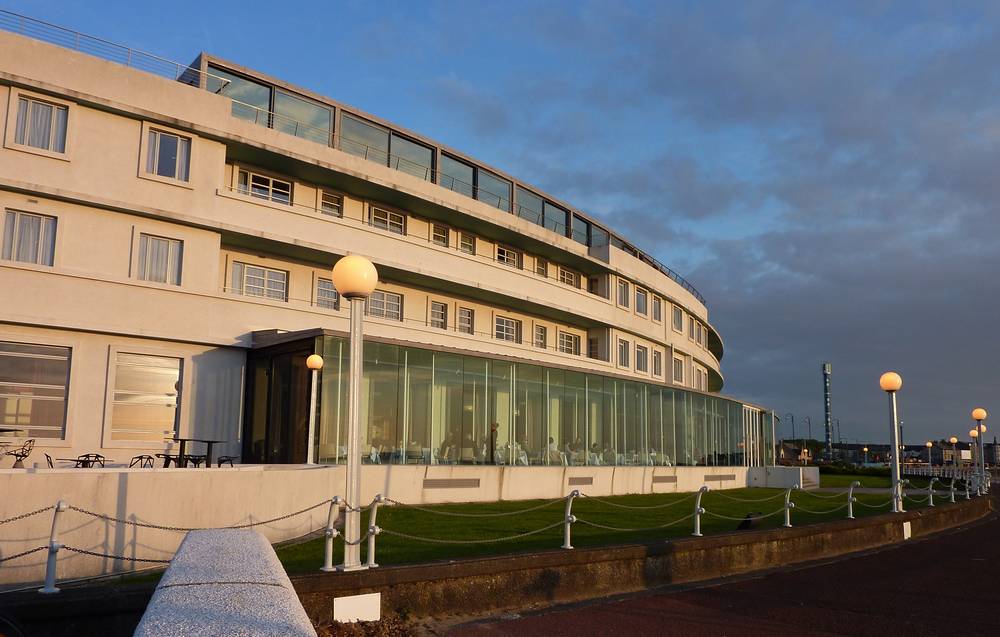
<point>489,584</point>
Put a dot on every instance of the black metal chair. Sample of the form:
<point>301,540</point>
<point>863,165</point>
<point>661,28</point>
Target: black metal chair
<point>143,462</point>
<point>168,458</point>
<point>226,460</point>
<point>88,460</point>
<point>48,459</point>
<point>194,460</point>
<point>21,453</point>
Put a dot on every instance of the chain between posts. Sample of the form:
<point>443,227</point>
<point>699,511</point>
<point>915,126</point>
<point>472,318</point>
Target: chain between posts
<point>162,527</point>
<point>7,558</point>
<point>24,515</point>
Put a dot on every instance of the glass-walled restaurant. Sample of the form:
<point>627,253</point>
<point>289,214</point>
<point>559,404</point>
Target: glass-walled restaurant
<point>430,407</point>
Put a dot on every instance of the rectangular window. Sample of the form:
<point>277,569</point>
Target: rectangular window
<point>264,187</point>
<point>160,259</point>
<point>679,370</point>
<point>467,243</point>
<point>541,267</point>
<point>594,285</point>
<point>466,320</point>
<point>439,315</point>
<point>492,189</point>
<point>29,238</point>
<point>254,280</point>
<point>569,343</point>
<point>555,218</point>
<point>581,230</point>
<point>251,100</point>
<point>439,235</point>
<point>541,336</point>
<point>168,155</point>
<point>593,347</point>
<point>508,329</point>
<point>326,294</point>
<point>410,157</point>
<point>691,327</point>
<point>641,358</point>
<point>657,363</point>
<point>456,175</point>
<point>302,118</point>
<point>386,220</point>
<point>569,277</point>
<point>657,309</point>
<point>34,382</point>
<point>41,125</point>
<point>622,352</point>
<point>623,293</point>
<point>678,320</point>
<point>146,397</point>
<point>360,138</point>
<point>387,305</point>
<point>529,206</point>
<point>331,204</point>
<point>508,256</point>
<point>641,298</point>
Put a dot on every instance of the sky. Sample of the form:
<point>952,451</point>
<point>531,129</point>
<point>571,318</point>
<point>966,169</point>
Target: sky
<point>825,173</point>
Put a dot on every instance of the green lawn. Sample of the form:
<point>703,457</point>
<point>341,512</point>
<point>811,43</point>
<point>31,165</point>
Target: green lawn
<point>308,556</point>
<point>876,482</point>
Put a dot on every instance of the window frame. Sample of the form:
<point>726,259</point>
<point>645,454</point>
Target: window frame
<point>540,337</point>
<point>441,308</point>
<point>322,301</point>
<point>434,237</point>
<point>139,275</point>
<point>64,438</point>
<point>676,312</point>
<point>679,358</point>
<point>569,343</point>
<point>541,267</point>
<point>10,138</point>
<point>144,150</point>
<point>623,286</point>
<point>515,324</point>
<point>15,237</point>
<point>657,363</point>
<point>384,313</point>
<point>624,349</point>
<point>238,170</point>
<point>518,256</point>
<point>321,193</point>
<point>641,356</point>
<point>656,308</point>
<point>463,237</point>
<point>466,320</point>
<point>389,226</point>
<point>242,289</point>
<point>644,294</point>
<point>569,277</point>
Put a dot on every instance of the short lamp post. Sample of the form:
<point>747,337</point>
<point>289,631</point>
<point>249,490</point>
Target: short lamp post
<point>979,415</point>
<point>891,382</point>
<point>929,446</point>
<point>314,363</point>
<point>974,434</point>
<point>354,278</point>
<point>865,449</point>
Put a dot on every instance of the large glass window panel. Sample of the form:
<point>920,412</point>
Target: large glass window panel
<point>382,438</point>
<point>573,412</point>
<point>493,190</point>
<point>529,206</point>
<point>332,436</point>
<point>364,140</point>
<point>419,405</point>
<point>302,118</point>
<point>146,397</point>
<point>581,230</point>
<point>456,175</point>
<point>500,394</point>
<point>411,158</point>
<point>34,381</point>
<point>531,417</point>
<point>555,218</point>
<point>251,100</point>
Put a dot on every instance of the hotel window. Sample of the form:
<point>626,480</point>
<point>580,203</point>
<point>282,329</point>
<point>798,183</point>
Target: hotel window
<point>439,315</point>
<point>386,220</point>
<point>331,204</point>
<point>569,343</point>
<point>623,293</point>
<point>700,333</point>
<point>541,336</point>
<point>622,352</point>
<point>555,218</point>
<point>641,358</point>
<point>41,125</point>
<point>466,320</point>
<point>679,370</point>
<point>387,305</point>
<point>254,280</point>
<point>456,175</point>
<point>366,140</point>
<point>146,397</point>
<point>302,118</point>
<point>34,382</point>
<point>657,309</point>
<point>439,235</point>
<point>569,277</point>
<point>581,230</point>
<point>168,155</point>
<point>251,100</point>
<point>467,243</point>
<point>678,319</point>
<point>29,238</point>
<point>492,189</point>
<point>593,347</point>
<point>529,206</point>
<point>327,295</point>
<point>160,259</point>
<point>657,363</point>
<point>410,157</point>
<point>264,187</point>
<point>641,299</point>
<point>508,256</point>
<point>701,379</point>
<point>508,329</point>
<point>691,327</point>
<point>541,267</point>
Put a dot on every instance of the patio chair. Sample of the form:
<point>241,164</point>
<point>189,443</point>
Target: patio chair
<point>194,460</point>
<point>88,460</point>
<point>21,453</point>
<point>48,460</point>
<point>226,460</point>
<point>168,458</point>
<point>143,462</point>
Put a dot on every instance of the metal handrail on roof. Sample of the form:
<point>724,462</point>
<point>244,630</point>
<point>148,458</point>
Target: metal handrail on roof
<point>192,75</point>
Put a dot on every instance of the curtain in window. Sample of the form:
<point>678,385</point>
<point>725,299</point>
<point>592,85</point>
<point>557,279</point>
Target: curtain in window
<point>29,233</point>
<point>22,120</point>
<point>10,221</point>
<point>40,131</point>
<point>59,143</point>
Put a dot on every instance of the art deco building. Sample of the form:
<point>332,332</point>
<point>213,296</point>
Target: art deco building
<point>168,233</point>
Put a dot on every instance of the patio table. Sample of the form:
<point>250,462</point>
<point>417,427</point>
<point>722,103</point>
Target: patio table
<point>209,443</point>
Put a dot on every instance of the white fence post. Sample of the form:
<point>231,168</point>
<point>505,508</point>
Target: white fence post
<point>851,499</point>
<point>930,491</point>
<point>373,530</point>
<point>698,511</point>
<point>789,505</point>
<point>569,519</point>
<point>54,546</point>
<point>951,489</point>
<point>331,533</point>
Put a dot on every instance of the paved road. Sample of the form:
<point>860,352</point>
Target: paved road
<point>945,585</point>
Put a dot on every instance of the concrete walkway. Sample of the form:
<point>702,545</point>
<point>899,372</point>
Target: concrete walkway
<point>943,585</point>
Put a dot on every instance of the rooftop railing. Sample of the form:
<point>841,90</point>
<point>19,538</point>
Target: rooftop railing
<point>192,75</point>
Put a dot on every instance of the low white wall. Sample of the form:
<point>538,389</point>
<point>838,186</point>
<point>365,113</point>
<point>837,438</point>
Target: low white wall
<point>783,477</point>
<point>248,493</point>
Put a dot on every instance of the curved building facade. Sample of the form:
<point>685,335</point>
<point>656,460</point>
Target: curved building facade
<point>168,236</point>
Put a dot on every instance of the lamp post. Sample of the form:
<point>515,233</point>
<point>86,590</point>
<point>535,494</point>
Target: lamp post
<point>314,363</point>
<point>929,445</point>
<point>974,434</point>
<point>979,415</point>
<point>890,382</point>
<point>954,451</point>
<point>355,278</point>
<point>809,424</point>
<point>865,449</point>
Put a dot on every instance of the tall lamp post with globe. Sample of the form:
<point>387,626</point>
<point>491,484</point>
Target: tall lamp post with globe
<point>974,434</point>
<point>929,446</point>
<point>954,452</point>
<point>891,382</point>
<point>314,363</point>
<point>354,278</point>
<point>979,415</point>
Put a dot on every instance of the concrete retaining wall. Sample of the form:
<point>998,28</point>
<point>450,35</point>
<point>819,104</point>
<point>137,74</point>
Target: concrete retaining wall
<point>228,496</point>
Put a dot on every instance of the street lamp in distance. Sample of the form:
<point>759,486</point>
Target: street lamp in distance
<point>929,445</point>
<point>314,363</point>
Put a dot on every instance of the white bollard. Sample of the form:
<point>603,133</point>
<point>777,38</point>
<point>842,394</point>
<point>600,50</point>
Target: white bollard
<point>698,511</point>
<point>851,499</point>
<point>789,505</point>
<point>54,546</point>
<point>373,530</point>
<point>569,519</point>
<point>951,489</point>
<point>330,534</point>
<point>930,491</point>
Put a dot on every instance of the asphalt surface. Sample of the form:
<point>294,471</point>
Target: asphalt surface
<point>942,585</point>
